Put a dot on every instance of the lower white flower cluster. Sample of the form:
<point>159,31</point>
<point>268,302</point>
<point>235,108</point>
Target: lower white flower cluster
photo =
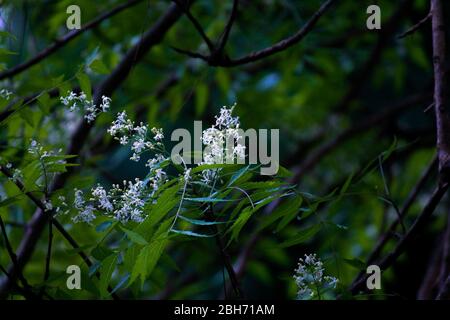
<point>310,278</point>
<point>76,102</point>
<point>123,203</point>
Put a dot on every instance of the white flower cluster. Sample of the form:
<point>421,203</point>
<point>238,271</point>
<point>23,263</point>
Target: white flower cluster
<point>17,174</point>
<point>85,211</point>
<point>81,101</point>
<point>124,130</point>
<point>310,279</point>
<point>126,202</point>
<point>122,202</point>
<point>220,142</point>
<point>5,94</point>
<point>38,150</point>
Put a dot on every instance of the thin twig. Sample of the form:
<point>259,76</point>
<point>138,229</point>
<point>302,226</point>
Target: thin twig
<point>415,27</point>
<point>196,24</point>
<point>226,33</point>
<point>218,58</point>
<point>59,43</point>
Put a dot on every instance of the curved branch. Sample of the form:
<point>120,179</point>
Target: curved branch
<point>421,221</point>
<point>59,43</point>
<point>218,58</point>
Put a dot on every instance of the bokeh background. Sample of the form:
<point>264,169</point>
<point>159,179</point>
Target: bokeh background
<point>349,102</point>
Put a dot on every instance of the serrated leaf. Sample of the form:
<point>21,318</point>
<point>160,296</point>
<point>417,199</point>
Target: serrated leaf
<point>147,259</point>
<point>99,67</point>
<point>303,236</point>
<point>85,84</point>
<point>291,210</point>
<point>106,271</point>
<point>134,236</point>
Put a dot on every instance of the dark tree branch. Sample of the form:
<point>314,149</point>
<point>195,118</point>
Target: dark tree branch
<point>418,225</point>
<point>412,196</point>
<point>415,27</point>
<point>12,255</point>
<point>198,27</point>
<point>444,294</point>
<point>219,58</point>
<point>225,257</point>
<point>440,87</point>
<point>431,276</point>
<point>226,33</point>
<point>59,43</point>
<point>49,253</point>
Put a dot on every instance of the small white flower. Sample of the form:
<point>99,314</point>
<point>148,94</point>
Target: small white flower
<point>309,277</point>
<point>48,205</point>
<point>4,93</point>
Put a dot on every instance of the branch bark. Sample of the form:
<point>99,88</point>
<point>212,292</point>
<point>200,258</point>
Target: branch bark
<point>440,97</point>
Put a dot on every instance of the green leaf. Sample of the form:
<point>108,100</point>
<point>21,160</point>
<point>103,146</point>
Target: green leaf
<point>106,271</point>
<point>240,222</point>
<point>147,259</point>
<point>356,263</point>
<point>44,102</point>
<point>291,210</point>
<point>303,236</point>
<point>237,175</point>
<point>99,67</point>
<point>190,233</point>
<point>201,222</point>
<point>156,212</point>
<point>11,200</point>
<point>201,98</point>
<point>101,252</point>
<point>85,84</point>
<point>210,167</point>
<point>6,34</point>
<point>134,236</point>
<point>149,255</point>
<point>208,200</point>
<point>5,52</point>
